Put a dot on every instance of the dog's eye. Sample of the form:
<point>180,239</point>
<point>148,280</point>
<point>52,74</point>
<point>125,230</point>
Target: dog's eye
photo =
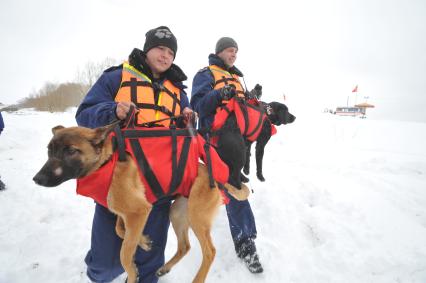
<point>71,150</point>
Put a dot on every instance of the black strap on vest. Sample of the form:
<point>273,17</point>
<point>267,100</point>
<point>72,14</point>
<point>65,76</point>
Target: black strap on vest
<point>225,80</point>
<point>133,84</point>
<point>221,186</point>
<point>155,133</point>
<point>121,146</point>
<point>155,107</point>
<point>174,158</point>
<point>209,161</point>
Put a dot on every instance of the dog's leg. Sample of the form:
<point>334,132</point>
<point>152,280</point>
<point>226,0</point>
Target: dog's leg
<point>126,198</point>
<point>144,242</point>
<point>232,150</point>
<point>203,204</point>
<point>260,150</point>
<point>235,176</point>
<point>179,219</point>
<point>134,224</point>
<point>119,227</point>
<point>246,169</point>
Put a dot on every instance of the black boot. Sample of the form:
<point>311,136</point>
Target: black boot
<point>246,250</point>
<point>253,264</point>
<point>2,185</point>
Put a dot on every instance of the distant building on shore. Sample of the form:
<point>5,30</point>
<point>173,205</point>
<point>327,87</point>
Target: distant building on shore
<point>358,110</point>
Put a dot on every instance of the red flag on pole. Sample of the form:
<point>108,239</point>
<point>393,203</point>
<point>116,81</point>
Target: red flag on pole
<point>355,89</point>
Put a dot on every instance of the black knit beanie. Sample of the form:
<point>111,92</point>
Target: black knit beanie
<point>225,42</point>
<point>160,36</point>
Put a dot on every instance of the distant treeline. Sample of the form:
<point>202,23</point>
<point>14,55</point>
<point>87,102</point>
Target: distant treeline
<point>57,97</point>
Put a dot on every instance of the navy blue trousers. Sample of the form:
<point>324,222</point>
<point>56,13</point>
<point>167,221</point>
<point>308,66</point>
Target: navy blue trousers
<point>241,221</point>
<point>103,258</point>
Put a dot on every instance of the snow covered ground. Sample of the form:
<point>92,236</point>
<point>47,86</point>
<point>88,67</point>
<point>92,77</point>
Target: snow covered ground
<point>344,201</point>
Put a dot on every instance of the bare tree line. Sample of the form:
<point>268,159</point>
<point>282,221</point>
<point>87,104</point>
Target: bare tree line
<point>57,97</point>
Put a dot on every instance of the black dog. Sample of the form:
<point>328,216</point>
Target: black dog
<point>234,149</point>
<point>278,114</point>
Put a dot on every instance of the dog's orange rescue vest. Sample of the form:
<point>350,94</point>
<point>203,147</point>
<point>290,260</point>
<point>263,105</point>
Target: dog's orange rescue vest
<point>156,101</point>
<point>223,77</point>
<point>164,169</point>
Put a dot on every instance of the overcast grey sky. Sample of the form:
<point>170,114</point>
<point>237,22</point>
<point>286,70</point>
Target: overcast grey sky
<point>313,51</point>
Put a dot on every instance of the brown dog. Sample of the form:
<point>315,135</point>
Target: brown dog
<point>77,152</point>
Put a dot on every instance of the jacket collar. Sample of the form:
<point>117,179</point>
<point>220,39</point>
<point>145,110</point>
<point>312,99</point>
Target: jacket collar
<point>137,60</point>
<point>215,60</point>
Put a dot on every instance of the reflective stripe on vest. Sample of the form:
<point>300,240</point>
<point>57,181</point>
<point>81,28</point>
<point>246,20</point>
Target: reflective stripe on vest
<point>155,101</point>
<point>223,77</point>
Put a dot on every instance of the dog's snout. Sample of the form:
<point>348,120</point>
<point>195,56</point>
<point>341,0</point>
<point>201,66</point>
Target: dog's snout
<point>40,179</point>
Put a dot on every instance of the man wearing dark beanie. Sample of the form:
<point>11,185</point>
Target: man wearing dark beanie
<point>147,76</point>
<point>161,36</point>
<point>213,87</point>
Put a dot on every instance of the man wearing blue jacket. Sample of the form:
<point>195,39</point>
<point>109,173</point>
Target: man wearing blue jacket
<point>211,88</point>
<point>155,75</point>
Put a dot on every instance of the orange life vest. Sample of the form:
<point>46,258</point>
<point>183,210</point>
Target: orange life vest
<point>155,101</point>
<point>223,77</point>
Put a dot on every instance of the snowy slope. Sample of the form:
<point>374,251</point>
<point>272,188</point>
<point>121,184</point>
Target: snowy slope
<point>344,201</point>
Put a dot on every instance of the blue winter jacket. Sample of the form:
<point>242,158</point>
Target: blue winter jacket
<point>1,123</point>
<point>98,107</point>
<point>204,98</point>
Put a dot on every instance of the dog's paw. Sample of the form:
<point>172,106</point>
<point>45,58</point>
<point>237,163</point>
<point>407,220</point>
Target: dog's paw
<point>260,177</point>
<point>246,170</point>
<point>145,243</point>
<point>244,179</point>
<point>136,280</point>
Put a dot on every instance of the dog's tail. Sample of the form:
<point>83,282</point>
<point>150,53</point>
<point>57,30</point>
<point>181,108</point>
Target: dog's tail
<point>236,193</point>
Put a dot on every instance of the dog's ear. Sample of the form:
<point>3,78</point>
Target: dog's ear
<point>57,128</point>
<point>102,133</point>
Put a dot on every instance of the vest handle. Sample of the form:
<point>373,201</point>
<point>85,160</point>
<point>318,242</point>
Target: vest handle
<point>129,121</point>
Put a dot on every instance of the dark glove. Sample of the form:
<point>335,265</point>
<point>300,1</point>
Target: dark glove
<point>227,92</point>
<point>257,91</point>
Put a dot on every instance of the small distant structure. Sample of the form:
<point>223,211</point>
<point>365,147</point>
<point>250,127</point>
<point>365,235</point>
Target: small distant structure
<point>363,106</point>
<point>358,110</point>
<point>349,111</point>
